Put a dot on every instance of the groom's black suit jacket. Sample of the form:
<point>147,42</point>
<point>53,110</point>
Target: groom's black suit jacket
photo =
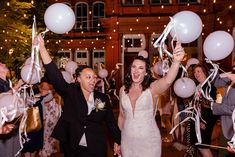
<point>75,121</point>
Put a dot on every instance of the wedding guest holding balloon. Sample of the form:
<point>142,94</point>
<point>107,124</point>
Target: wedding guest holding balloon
<point>224,107</point>
<point>138,106</point>
<point>202,104</point>
<point>80,127</point>
<point>9,141</point>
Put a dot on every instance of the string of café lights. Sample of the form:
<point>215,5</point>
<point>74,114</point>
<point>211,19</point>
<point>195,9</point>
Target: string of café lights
<point>219,20</point>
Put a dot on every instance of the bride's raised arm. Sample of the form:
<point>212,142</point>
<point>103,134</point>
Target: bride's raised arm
<point>159,86</point>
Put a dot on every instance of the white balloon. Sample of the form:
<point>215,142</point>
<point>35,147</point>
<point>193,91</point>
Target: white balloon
<point>59,18</point>
<point>11,105</point>
<point>191,61</point>
<point>143,53</point>
<point>71,66</point>
<point>218,45</point>
<point>28,62</point>
<point>67,76</point>
<point>187,26</point>
<point>157,68</point>
<point>103,73</point>
<point>184,87</point>
<point>32,78</point>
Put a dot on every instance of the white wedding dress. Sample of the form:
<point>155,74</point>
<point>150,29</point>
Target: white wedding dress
<point>140,134</point>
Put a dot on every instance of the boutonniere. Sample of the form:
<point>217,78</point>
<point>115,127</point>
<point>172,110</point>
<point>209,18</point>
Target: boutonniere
<point>99,105</point>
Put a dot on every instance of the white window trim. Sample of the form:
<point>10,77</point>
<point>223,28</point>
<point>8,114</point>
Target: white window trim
<point>134,36</point>
<point>87,53</point>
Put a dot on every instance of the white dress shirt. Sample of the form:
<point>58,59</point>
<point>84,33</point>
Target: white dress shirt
<point>91,106</point>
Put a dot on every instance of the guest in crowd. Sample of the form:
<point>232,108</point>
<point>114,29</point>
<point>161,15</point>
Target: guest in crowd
<point>9,142</point>
<point>224,108</point>
<point>51,114</point>
<point>203,105</point>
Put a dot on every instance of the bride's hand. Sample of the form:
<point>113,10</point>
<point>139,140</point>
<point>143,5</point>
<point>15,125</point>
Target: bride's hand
<point>178,53</point>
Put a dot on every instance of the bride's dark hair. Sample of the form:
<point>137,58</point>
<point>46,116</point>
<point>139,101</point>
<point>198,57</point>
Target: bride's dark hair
<point>147,78</point>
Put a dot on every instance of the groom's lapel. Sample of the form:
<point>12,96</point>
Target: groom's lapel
<point>83,107</point>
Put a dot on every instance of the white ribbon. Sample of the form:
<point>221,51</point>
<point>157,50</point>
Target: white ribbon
<point>160,42</point>
<point>209,79</point>
<point>35,63</point>
<point>194,114</point>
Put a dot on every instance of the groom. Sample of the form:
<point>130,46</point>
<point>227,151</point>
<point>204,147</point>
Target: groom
<point>80,128</point>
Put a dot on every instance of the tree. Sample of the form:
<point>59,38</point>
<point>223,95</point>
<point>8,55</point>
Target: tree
<point>14,33</point>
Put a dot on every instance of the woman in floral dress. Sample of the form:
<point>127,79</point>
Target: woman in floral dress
<point>52,110</point>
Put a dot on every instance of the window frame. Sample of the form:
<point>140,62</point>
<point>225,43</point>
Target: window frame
<point>82,17</point>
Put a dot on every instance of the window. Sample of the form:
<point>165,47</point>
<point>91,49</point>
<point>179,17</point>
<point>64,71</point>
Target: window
<point>63,57</point>
<point>82,57</point>
<point>134,42</point>
<point>160,1</point>
<point>98,12</point>
<point>98,57</point>
<point>133,2</point>
<point>64,54</point>
<point>81,16</point>
<point>188,1</point>
<point>98,54</point>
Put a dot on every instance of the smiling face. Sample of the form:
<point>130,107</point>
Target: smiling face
<point>87,80</point>
<point>138,71</point>
<point>199,74</point>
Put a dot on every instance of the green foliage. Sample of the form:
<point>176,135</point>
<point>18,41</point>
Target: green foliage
<point>14,33</point>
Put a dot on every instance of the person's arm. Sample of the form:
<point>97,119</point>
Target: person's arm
<point>54,74</point>
<point>19,83</point>
<point>111,122</point>
<point>121,117</point>
<point>159,86</point>
<point>43,51</point>
<point>220,82</point>
<point>223,109</point>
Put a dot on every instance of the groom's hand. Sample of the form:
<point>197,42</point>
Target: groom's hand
<point>117,149</point>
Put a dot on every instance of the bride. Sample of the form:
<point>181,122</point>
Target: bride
<point>138,99</point>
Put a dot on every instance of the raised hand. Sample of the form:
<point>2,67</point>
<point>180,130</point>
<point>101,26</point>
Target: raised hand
<point>178,53</point>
